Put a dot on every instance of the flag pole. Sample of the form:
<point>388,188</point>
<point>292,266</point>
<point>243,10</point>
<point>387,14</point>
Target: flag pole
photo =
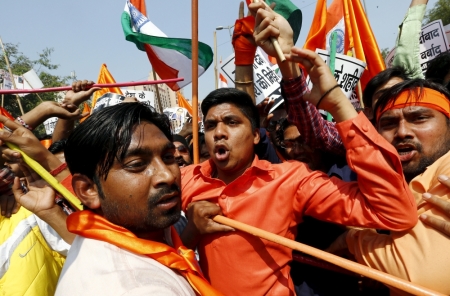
<point>101,85</point>
<point>274,40</point>
<point>158,98</point>
<point>11,74</point>
<point>195,79</point>
<point>385,278</point>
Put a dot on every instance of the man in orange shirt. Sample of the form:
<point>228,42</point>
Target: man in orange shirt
<point>237,184</point>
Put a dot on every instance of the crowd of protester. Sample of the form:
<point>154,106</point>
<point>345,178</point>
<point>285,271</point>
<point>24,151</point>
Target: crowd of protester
<point>370,186</point>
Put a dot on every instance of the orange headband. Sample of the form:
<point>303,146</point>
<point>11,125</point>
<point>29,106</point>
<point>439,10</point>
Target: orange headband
<point>429,98</point>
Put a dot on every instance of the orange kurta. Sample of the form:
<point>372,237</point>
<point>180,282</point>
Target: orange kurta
<point>275,197</point>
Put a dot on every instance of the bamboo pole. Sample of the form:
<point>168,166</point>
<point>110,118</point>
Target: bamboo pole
<point>195,79</point>
<point>102,85</point>
<point>11,74</point>
<point>158,98</point>
<point>215,62</point>
<point>274,40</point>
<point>382,277</point>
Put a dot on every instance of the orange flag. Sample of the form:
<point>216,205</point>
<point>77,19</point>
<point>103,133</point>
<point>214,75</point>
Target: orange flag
<point>182,102</point>
<point>104,77</point>
<point>6,114</point>
<point>348,19</point>
<point>86,109</point>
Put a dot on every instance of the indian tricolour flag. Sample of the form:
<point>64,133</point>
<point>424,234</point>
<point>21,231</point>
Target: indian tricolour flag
<point>170,57</point>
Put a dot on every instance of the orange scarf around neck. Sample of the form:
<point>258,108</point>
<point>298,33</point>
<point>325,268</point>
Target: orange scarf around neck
<point>93,226</point>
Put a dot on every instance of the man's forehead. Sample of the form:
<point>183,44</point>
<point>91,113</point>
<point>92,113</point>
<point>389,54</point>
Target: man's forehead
<point>407,111</point>
<point>224,109</point>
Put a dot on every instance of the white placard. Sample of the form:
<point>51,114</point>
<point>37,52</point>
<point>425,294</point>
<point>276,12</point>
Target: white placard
<point>20,82</point>
<point>266,80</point>
<point>108,99</point>
<point>178,116</point>
<point>143,96</point>
<point>347,72</point>
<point>50,124</point>
<point>432,41</point>
<point>33,79</point>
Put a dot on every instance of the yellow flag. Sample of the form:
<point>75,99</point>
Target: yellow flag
<point>104,77</point>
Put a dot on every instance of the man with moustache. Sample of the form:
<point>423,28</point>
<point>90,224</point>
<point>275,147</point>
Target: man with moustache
<point>415,117</point>
<point>124,172</point>
<point>275,197</point>
<point>182,153</point>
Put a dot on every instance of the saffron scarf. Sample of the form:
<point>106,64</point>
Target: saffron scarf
<point>179,258</point>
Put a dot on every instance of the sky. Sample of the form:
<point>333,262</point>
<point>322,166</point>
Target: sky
<point>85,34</point>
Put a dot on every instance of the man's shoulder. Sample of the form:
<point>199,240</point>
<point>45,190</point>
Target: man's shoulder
<point>102,268</point>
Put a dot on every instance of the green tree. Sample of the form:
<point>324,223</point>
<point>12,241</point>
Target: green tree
<point>21,64</point>
<point>385,52</point>
<point>440,11</point>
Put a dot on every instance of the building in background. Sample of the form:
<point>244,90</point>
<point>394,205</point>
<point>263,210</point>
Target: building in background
<point>167,96</point>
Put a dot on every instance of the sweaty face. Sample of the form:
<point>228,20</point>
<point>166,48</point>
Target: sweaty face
<point>420,135</point>
<point>230,140</point>
<point>379,91</point>
<point>142,192</point>
<point>182,155</point>
<point>297,149</point>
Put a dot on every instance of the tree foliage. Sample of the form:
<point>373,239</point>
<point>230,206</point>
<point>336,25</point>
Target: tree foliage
<point>385,52</point>
<point>21,64</point>
<point>440,11</point>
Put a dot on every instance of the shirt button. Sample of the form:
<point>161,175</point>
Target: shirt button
<point>365,128</point>
<point>351,134</point>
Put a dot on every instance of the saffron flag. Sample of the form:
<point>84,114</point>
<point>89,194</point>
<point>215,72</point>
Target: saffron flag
<point>104,77</point>
<point>6,114</point>
<point>223,81</point>
<point>348,19</point>
<point>86,109</point>
<point>170,57</point>
<point>290,12</point>
<point>182,102</point>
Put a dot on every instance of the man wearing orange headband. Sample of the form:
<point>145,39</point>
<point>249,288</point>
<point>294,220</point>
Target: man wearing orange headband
<point>414,117</point>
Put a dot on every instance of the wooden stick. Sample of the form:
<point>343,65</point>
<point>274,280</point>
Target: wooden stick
<point>104,85</point>
<point>274,40</point>
<point>11,74</point>
<point>194,19</point>
<point>377,275</point>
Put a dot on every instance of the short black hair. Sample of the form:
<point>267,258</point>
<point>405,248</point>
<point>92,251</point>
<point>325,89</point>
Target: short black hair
<point>106,135</point>
<point>239,98</point>
<point>380,79</point>
<point>438,68</point>
<point>58,146</point>
<point>412,84</point>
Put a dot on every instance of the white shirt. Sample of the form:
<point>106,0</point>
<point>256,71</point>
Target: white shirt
<point>98,268</point>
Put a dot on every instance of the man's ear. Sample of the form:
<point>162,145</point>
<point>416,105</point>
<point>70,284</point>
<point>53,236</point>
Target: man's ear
<point>86,191</point>
<point>256,136</point>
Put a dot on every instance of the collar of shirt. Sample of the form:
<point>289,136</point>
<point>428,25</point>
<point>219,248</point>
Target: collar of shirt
<point>206,169</point>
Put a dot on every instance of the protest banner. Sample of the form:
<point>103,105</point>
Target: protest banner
<point>178,116</point>
<point>347,72</point>
<point>432,41</point>
<point>143,96</point>
<point>50,124</point>
<point>266,80</point>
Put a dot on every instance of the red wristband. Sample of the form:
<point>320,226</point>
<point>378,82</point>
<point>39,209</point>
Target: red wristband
<point>59,169</point>
<point>243,48</point>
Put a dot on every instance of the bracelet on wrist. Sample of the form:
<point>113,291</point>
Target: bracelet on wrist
<point>325,94</point>
<point>23,123</point>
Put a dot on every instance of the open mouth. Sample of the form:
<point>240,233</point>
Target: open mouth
<point>221,152</point>
<point>406,152</point>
